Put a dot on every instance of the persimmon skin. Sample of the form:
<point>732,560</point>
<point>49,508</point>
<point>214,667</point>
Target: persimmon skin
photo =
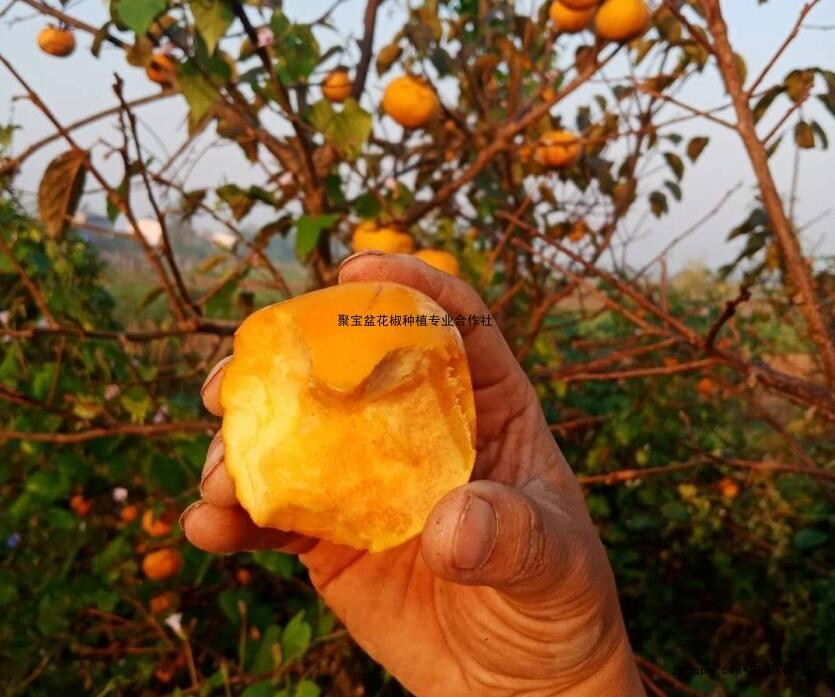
<point>347,433</point>
<point>410,101</point>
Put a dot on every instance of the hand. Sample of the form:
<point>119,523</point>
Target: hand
<point>508,590</point>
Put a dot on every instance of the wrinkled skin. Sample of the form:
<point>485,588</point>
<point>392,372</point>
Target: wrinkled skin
<point>508,590</point>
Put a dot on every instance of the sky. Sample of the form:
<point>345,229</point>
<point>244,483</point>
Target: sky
<point>81,84</point>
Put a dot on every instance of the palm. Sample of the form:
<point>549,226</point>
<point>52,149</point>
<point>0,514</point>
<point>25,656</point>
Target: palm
<point>438,622</point>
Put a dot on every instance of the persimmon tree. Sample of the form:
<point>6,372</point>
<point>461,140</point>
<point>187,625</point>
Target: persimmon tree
<point>701,445</point>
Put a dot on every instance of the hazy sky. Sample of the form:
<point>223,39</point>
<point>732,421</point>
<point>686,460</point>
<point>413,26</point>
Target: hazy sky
<point>81,84</point>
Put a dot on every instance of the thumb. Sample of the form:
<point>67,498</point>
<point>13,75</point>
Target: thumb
<point>489,534</point>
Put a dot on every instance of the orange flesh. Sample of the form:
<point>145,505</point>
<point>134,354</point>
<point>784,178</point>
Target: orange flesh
<point>347,433</point>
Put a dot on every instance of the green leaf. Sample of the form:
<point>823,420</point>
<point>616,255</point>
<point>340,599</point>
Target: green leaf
<point>809,538</point>
<point>264,660</point>
<point>675,164</point>
<point>696,146</point>
<point>60,190</point>
<point>764,102</point>
<point>803,135</point>
<point>821,134</point>
<point>307,688</point>
<point>199,93</point>
<point>276,562</point>
<point>138,15</point>
<point>347,129</point>
<point>674,188</point>
<point>238,200</point>
<point>212,18</point>
<point>658,203</point>
<point>296,638</point>
<point>260,689</point>
<point>675,511</point>
<point>308,229</point>
<point>367,206</point>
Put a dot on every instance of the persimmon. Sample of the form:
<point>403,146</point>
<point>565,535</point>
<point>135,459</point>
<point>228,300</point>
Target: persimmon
<point>580,4</point>
<point>729,488</point>
<point>159,524</point>
<point>558,149</point>
<point>243,576</point>
<point>706,387</point>
<point>440,259</point>
<point>161,564</point>
<point>411,101</point>
<point>56,41</point>
<point>162,69</point>
<point>80,505</point>
<point>348,430</point>
<point>619,20</point>
<point>384,239</point>
<point>167,601</point>
<point>337,85</point>
<point>569,20</point>
<point>129,513</point>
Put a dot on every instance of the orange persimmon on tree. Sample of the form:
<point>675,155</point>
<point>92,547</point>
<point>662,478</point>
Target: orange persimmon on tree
<point>171,169</point>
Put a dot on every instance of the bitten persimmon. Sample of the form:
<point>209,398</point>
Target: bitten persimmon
<point>349,432</point>
<point>384,239</point>
<point>410,101</point>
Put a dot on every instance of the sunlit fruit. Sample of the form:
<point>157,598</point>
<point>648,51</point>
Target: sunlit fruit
<point>410,101</point>
<point>440,259</point>
<point>558,149</point>
<point>580,4</point>
<point>56,41</point>
<point>568,20</point>
<point>164,602</point>
<point>161,564</point>
<point>729,488</point>
<point>80,506</point>
<point>384,239</point>
<point>129,513</point>
<point>619,20</point>
<point>162,69</point>
<point>348,413</point>
<point>159,523</point>
<point>337,85</point>
<point>706,387</point>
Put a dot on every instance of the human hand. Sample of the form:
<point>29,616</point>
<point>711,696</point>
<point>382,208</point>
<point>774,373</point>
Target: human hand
<point>508,590</point>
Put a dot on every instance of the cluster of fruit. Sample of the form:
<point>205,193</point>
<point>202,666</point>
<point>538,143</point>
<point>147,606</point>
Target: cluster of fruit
<point>614,20</point>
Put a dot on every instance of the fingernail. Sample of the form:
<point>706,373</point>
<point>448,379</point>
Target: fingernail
<point>211,376</point>
<point>475,535</point>
<point>363,253</point>
<point>187,512</point>
<point>212,463</point>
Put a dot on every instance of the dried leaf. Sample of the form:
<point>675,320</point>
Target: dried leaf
<point>60,190</point>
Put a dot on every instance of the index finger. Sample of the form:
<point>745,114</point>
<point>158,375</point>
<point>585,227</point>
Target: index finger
<point>490,358</point>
